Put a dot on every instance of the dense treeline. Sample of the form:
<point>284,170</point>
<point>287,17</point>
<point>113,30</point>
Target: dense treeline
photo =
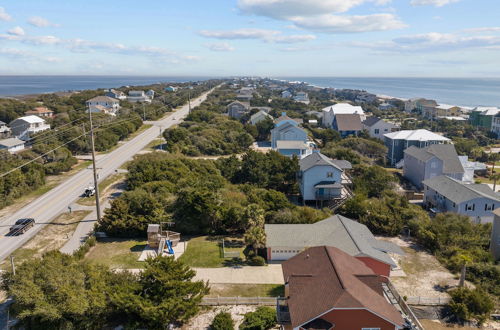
<point>59,291</point>
<point>196,196</point>
<point>208,133</point>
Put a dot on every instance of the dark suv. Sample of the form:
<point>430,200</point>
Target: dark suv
<point>21,226</point>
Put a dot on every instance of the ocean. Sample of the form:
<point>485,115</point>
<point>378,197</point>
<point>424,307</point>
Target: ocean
<point>457,91</point>
<point>22,85</point>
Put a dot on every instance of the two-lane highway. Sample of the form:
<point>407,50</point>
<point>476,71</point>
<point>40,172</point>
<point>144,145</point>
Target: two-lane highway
<point>45,208</point>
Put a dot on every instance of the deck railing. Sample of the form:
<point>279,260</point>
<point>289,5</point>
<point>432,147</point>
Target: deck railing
<point>217,301</point>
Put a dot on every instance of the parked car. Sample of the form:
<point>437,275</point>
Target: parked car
<point>21,226</point>
<point>89,191</point>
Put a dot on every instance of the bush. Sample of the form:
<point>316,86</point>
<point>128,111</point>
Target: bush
<point>222,321</point>
<point>257,261</point>
<point>467,304</point>
<point>262,319</point>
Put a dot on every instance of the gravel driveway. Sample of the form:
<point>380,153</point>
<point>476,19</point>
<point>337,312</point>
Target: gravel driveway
<point>270,274</point>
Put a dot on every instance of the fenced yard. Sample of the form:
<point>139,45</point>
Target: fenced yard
<point>207,252</point>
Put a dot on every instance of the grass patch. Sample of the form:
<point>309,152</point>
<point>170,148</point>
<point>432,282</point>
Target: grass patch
<point>117,253</point>
<point>247,290</point>
<point>206,251</point>
<point>103,185</point>
<point>51,237</point>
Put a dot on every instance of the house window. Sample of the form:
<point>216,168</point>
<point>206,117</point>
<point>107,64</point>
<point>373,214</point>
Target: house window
<point>470,207</point>
<point>377,131</point>
<point>329,174</point>
<point>489,207</point>
<point>433,165</point>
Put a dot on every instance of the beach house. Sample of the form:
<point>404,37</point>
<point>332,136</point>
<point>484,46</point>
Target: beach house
<point>24,127</point>
<point>435,160</point>
<point>103,104</point>
<point>377,127</point>
<point>138,96</point>
<point>237,109</point>
<point>4,130</point>
<point>441,110</point>
<point>445,194</point>
<point>42,112</point>
<point>259,116</point>
<point>288,138</point>
<point>398,142</point>
<point>12,145</point>
<point>171,89</point>
<point>116,94</point>
<point>495,125</point>
<point>302,97</point>
<point>495,235</point>
<point>347,124</point>
<point>483,116</point>
<point>340,108</point>
<point>327,288</point>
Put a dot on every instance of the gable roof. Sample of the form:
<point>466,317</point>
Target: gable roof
<point>459,192</point>
<point>32,119</point>
<point>11,142</point>
<point>103,98</point>
<point>285,126</point>
<point>348,122</point>
<point>445,152</point>
<point>324,278</point>
<point>370,121</point>
<point>344,108</point>
<point>317,159</point>
<point>284,117</point>
<point>416,135</point>
<point>346,234</point>
<point>245,104</point>
<point>260,113</point>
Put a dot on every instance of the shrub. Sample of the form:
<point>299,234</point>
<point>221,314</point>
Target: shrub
<point>466,304</point>
<point>222,321</point>
<point>257,261</point>
<point>262,319</point>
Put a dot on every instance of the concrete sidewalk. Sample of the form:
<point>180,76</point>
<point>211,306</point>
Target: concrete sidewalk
<point>270,274</point>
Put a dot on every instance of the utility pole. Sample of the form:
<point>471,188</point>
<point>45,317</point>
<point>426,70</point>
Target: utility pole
<point>143,113</point>
<point>96,187</point>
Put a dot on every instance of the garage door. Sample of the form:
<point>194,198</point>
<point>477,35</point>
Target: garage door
<point>283,254</point>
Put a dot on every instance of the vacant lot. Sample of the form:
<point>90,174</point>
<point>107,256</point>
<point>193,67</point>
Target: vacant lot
<point>425,276</point>
<point>117,253</point>
<point>206,251</point>
<point>51,237</point>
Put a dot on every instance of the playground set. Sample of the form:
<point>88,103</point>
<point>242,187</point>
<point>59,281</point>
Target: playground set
<point>162,240</point>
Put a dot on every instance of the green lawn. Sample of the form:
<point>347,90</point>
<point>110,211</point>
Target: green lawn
<point>247,290</point>
<point>206,251</point>
<point>117,253</point>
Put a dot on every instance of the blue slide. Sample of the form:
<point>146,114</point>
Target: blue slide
<point>169,247</point>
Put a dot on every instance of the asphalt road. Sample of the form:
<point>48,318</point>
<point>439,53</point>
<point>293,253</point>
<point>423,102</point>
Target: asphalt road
<point>48,206</point>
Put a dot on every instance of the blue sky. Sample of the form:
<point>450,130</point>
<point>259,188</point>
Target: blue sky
<point>384,38</point>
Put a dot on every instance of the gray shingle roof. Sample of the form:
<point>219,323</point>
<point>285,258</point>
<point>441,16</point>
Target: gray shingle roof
<point>11,142</point>
<point>337,231</point>
<point>445,152</point>
<point>370,121</point>
<point>316,159</point>
<point>459,192</point>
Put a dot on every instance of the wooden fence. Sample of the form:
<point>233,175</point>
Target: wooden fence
<point>428,301</point>
<point>217,301</point>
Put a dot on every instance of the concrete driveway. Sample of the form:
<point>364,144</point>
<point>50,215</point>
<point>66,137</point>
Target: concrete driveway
<point>270,274</point>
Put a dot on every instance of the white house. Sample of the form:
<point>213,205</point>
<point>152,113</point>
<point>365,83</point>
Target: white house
<point>495,125</point>
<point>138,96</point>
<point>445,194</point>
<point>24,127</point>
<point>321,178</point>
<point>12,145</point>
<point>377,127</point>
<point>340,108</point>
<point>259,116</point>
<point>103,104</point>
<point>4,130</point>
<point>116,94</point>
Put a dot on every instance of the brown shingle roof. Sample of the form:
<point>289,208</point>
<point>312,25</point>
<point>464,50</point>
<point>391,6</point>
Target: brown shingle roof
<point>348,122</point>
<point>323,278</point>
<point>39,110</point>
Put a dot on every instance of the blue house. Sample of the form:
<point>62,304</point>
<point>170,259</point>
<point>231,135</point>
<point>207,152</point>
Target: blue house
<point>288,138</point>
<point>321,178</point>
<point>398,142</point>
<point>477,201</point>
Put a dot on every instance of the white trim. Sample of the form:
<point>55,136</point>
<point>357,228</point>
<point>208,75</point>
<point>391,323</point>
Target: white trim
<point>349,308</point>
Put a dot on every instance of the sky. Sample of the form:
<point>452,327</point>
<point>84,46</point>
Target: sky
<point>275,38</point>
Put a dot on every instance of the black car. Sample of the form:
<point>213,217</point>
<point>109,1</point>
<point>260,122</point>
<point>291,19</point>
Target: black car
<point>21,226</point>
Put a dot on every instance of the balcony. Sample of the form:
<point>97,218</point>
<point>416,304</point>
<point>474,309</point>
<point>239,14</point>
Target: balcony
<point>282,311</point>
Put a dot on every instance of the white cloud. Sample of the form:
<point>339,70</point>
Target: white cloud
<point>434,42</point>
<point>220,47</point>
<point>437,3</point>
<point>33,40</point>
<point>41,22</point>
<point>347,24</point>
<point>16,31</point>
<point>322,15</point>
<point>483,29</point>
<point>3,15</point>
<point>27,55</point>
<point>271,36</point>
